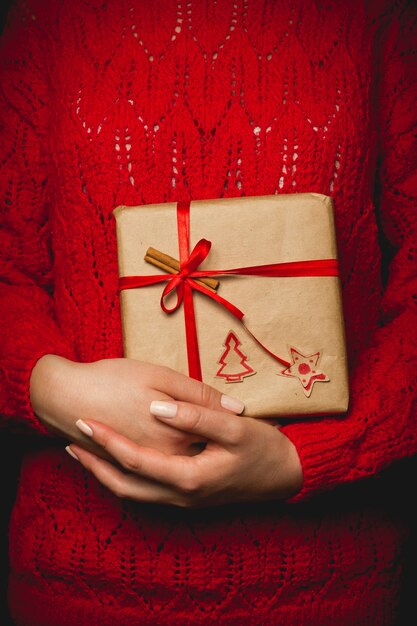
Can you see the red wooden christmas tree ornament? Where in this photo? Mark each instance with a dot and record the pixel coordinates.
(234, 367)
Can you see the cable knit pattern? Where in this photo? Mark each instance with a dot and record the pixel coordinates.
(134, 102)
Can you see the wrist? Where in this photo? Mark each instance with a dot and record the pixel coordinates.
(293, 471)
(44, 381)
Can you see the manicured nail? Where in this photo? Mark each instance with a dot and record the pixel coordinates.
(232, 404)
(84, 428)
(72, 453)
(163, 409)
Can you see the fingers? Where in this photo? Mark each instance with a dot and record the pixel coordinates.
(141, 460)
(187, 389)
(216, 426)
(119, 483)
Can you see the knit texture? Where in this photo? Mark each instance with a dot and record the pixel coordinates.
(109, 103)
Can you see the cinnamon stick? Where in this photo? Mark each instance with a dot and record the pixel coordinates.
(170, 265)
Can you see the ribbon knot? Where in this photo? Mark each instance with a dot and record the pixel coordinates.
(185, 275)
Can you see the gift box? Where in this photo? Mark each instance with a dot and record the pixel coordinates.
(242, 293)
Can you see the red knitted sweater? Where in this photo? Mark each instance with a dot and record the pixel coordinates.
(130, 102)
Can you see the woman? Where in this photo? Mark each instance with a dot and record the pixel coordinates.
(137, 103)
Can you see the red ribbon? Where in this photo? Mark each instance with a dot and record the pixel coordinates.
(184, 283)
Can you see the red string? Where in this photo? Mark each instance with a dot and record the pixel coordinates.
(184, 284)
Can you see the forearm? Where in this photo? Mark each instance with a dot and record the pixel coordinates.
(26, 335)
(381, 425)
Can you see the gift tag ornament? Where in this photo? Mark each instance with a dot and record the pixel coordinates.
(305, 369)
(234, 367)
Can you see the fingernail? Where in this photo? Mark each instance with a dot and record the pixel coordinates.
(163, 409)
(72, 453)
(85, 428)
(232, 404)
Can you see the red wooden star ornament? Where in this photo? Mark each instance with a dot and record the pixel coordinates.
(305, 369)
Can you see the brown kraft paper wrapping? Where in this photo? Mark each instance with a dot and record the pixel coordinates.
(285, 313)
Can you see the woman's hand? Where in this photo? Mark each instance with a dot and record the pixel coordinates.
(118, 392)
(245, 460)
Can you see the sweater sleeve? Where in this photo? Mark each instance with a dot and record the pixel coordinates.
(381, 425)
(28, 327)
